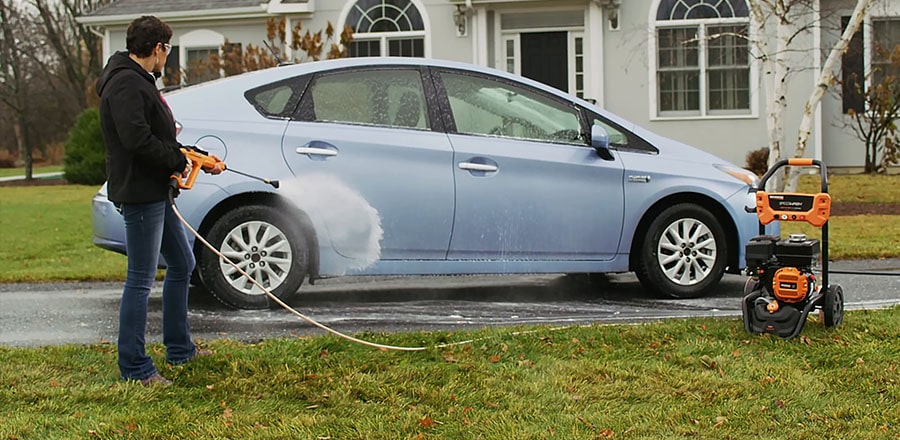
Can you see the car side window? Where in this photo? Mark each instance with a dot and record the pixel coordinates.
(622, 139)
(278, 99)
(484, 106)
(382, 97)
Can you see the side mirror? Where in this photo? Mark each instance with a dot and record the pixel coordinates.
(600, 142)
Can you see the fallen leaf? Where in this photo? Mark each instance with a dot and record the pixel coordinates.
(779, 404)
(323, 354)
(449, 359)
(766, 380)
(210, 387)
(736, 353)
(860, 361)
(605, 433)
(720, 421)
(490, 404)
(805, 339)
(504, 348)
(426, 422)
(494, 359)
(707, 362)
(228, 413)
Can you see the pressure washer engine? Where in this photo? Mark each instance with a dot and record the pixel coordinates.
(783, 287)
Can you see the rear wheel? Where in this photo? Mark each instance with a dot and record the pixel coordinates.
(266, 245)
(684, 252)
(833, 308)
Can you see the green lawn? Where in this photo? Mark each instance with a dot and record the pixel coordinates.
(699, 378)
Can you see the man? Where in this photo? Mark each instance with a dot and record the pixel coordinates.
(141, 155)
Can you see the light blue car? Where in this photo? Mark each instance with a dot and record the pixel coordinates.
(411, 166)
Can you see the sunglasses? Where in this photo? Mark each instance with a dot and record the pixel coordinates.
(166, 46)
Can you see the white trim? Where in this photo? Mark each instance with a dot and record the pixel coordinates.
(653, 108)
(594, 84)
(383, 36)
(276, 7)
(817, 71)
(479, 34)
(178, 16)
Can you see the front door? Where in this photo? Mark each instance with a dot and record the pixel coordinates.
(545, 58)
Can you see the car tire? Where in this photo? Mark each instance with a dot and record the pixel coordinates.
(263, 242)
(684, 253)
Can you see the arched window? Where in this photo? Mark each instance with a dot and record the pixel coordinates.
(702, 58)
(386, 28)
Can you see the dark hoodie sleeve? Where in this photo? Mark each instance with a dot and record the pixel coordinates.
(127, 104)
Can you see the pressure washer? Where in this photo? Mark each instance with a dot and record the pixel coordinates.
(783, 288)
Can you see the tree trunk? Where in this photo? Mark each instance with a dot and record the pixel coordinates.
(826, 79)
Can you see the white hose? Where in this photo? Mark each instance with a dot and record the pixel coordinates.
(291, 309)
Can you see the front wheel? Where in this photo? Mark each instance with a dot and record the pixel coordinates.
(684, 252)
(265, 244)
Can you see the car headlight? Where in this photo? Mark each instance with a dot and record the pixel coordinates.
(741, 174)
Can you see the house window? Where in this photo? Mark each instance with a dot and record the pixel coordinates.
(199, 66)
(702, 60)
(886, 43)
(386, 28)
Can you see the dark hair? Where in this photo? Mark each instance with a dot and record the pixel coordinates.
(145, 33)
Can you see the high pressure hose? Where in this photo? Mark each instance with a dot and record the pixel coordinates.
(282, 303)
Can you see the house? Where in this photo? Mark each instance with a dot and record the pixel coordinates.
(677, 67)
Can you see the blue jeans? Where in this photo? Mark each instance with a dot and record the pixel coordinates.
(152, 229)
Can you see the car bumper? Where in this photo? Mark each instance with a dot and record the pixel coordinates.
(108, 225)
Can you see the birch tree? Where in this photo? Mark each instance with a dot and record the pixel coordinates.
(790, 19)
(826, 79)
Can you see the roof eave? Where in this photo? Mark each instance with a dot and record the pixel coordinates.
(178, 16)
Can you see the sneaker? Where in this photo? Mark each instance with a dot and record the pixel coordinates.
(156, 380)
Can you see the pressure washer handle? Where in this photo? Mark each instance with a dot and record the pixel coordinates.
(199, 161)
(796, 162)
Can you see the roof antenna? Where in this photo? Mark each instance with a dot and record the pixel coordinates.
(275, 54)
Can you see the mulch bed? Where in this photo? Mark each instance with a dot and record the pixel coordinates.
(837, 208)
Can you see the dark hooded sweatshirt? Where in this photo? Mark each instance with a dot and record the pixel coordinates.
(139, 133)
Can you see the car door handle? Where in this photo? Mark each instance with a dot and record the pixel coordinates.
(316, 151)
(477, 166)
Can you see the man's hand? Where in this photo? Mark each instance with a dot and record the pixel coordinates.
(188, 166)
(217, 168)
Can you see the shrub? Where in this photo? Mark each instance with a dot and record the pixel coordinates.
(85, 161)
(758, 161)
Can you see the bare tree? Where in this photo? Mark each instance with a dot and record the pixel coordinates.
(876, 124)
(14, 72)
(790, 19)
(78, 51)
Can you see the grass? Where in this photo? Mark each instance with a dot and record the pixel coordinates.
(702, 378)
(47, 236)
(856, 188)
(52, 230)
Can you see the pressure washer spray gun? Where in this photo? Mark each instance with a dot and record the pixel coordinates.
(201, 160)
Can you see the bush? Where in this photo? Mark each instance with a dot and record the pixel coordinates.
(758, 161)
(85, 161)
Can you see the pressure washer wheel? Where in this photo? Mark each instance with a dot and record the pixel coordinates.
(833, 306)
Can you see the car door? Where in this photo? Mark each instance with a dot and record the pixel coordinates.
(528, 186)
(370, 130)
